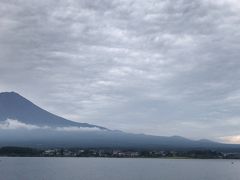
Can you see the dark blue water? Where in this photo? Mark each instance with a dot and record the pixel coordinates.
(117, 169)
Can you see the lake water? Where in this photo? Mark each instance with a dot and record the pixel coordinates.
(117, 169)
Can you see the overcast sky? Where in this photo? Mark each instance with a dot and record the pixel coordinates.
(162, 67)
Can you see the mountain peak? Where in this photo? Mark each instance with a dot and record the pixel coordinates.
(13, 100)
(8, 93)
(16, 107)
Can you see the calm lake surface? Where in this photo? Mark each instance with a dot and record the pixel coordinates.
(117, 169)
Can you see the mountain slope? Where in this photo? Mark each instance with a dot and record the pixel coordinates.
(61, 132)
(14, 106)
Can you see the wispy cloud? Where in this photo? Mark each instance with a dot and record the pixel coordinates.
(15, 124)
(75, 129)
(11, 124)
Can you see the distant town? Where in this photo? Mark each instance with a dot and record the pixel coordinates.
(115, 153)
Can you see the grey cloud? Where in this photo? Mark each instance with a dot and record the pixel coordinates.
(159, 67)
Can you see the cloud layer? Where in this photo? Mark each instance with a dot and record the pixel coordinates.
(11, 124)
(158, 67)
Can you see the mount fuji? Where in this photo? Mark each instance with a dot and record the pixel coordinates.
(23, 123)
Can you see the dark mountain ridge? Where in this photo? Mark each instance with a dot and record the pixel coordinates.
(13, 106)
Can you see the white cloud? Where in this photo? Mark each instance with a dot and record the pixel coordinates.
(11, 124)
(15, 124)
(73, 129)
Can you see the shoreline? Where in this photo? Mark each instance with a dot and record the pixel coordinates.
(86, 157)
